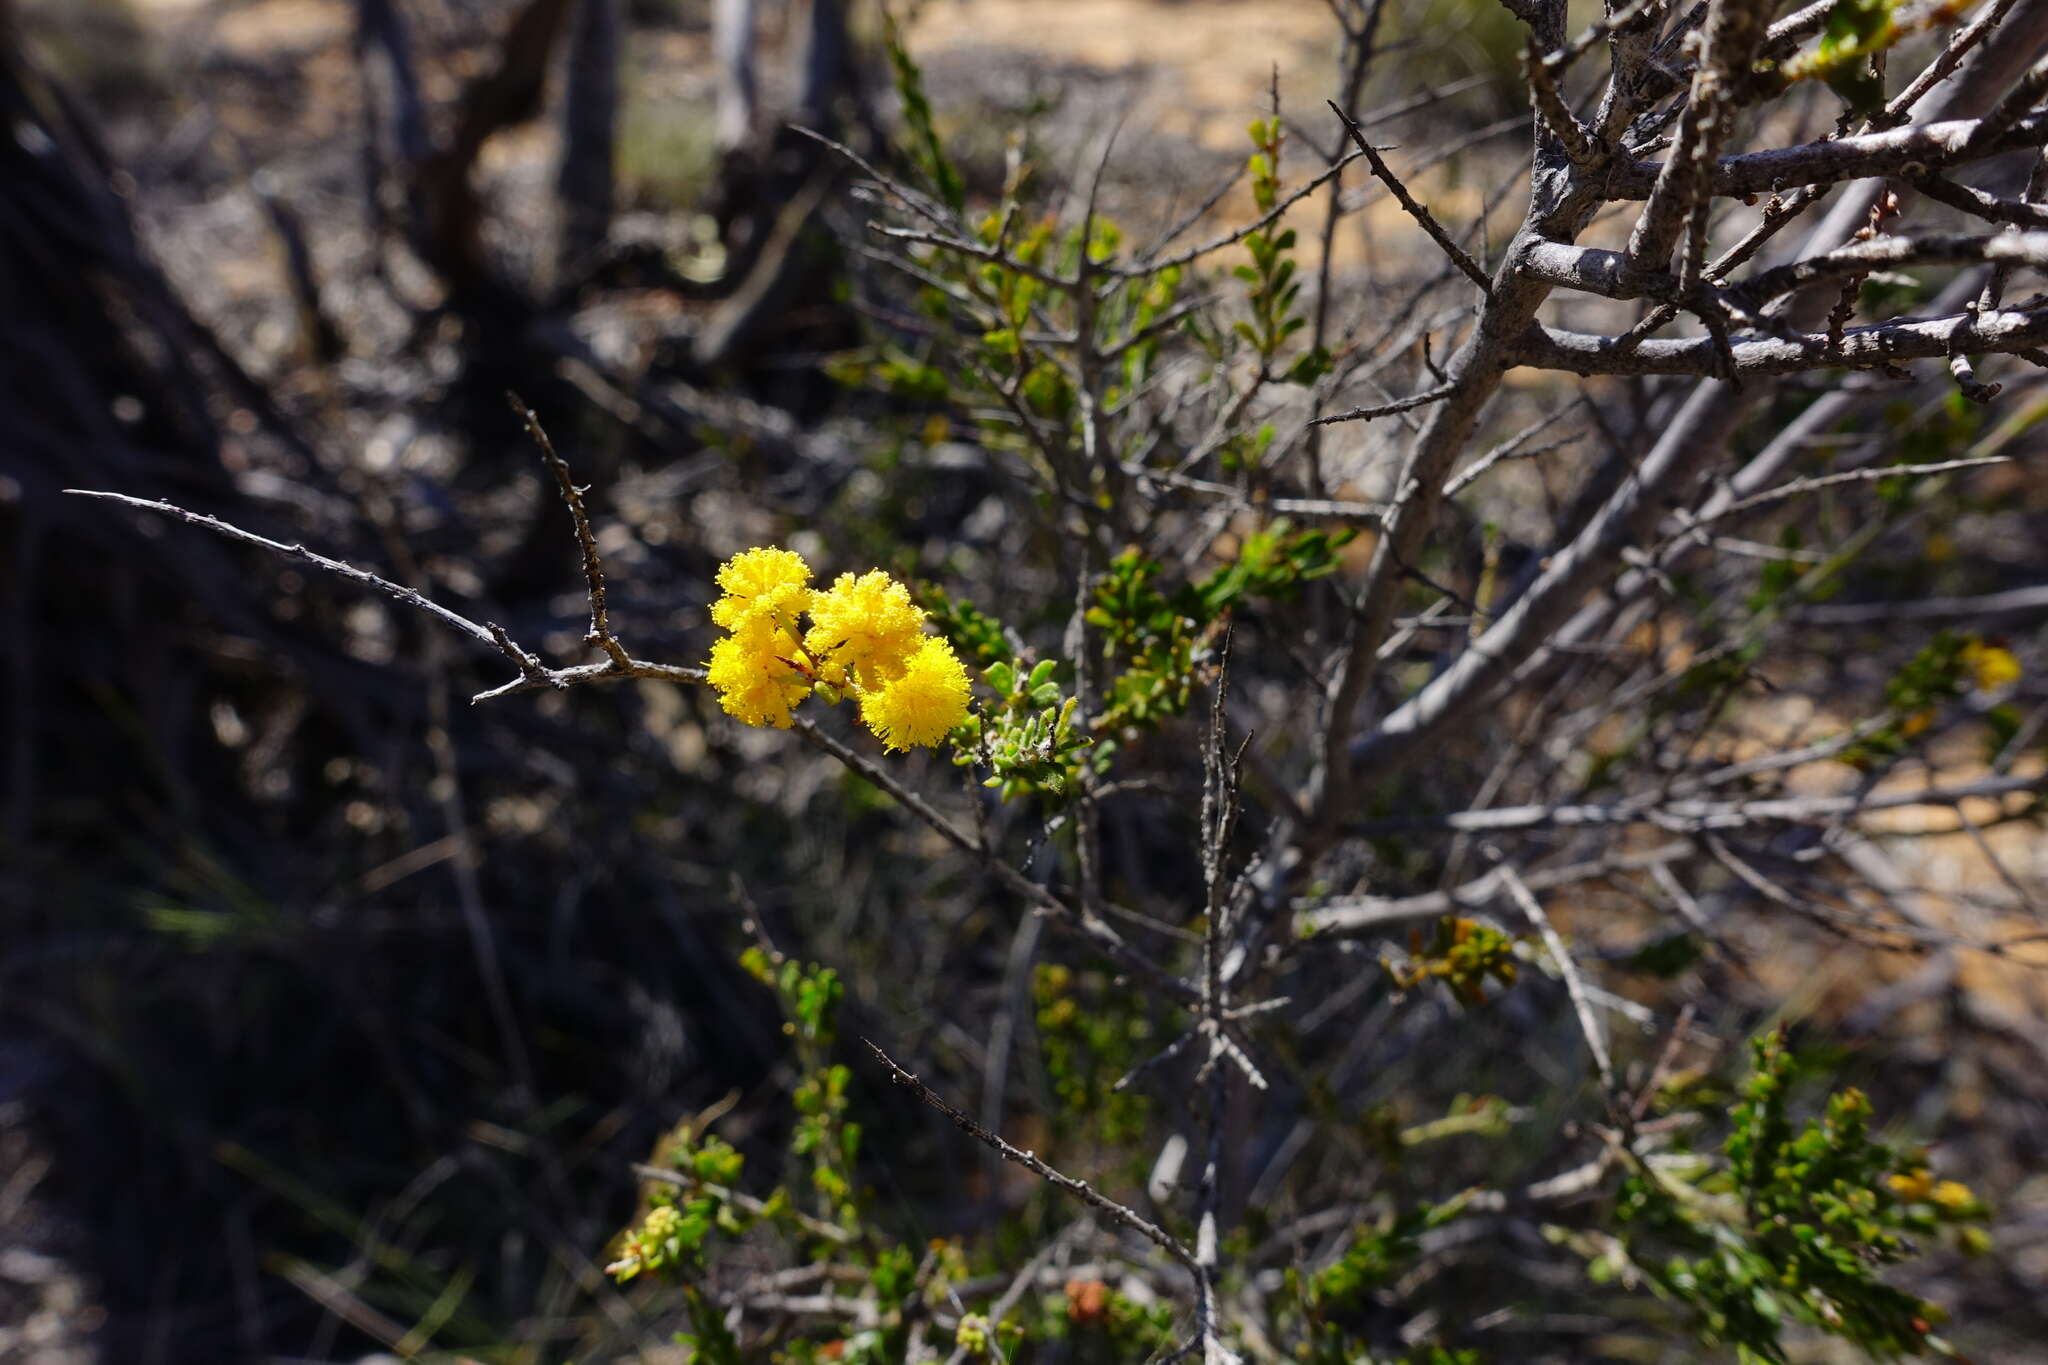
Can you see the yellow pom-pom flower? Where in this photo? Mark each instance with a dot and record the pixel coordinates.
(752, 671)
(762, 584)
(1991, 666)
(1953, 1195)
(866, 637)
(923, 703)
(863, 630)
(1914, 1186)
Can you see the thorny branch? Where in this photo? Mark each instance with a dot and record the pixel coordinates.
(1030, 1161)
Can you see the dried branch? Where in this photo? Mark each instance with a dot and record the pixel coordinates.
(1733, 31)
(1421, 215)
(532, 673)
(1897, 151)
(1532, 908)
(600, 633)
(1578, 141)
(2019, 603)
(1364, 915)
(1698, 816)
(2006, 332)
(1973, 201)
(1860, 258)
(1080, 1189)
(1408, 404)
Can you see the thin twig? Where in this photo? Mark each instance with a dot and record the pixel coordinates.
(1443, 240)
(1030, 1161)
(1590, 1027)
(1436, 395)
(600, 633)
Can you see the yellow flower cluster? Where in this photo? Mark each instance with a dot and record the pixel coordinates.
(1919, 1186)
(1991, 666)
(866, 637)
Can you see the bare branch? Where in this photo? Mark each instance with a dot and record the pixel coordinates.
(1860, 258)
(1698, 816)
(600, 633)
(1733, 31)
(1532, 908)
(1920, 147)
(2005, 331)
(1374, 914)
(2014, 602)
(2019, 212)
(1030, 1161)
(1421, 215)
(1413, 401)
(1576, 139)
(532, 673)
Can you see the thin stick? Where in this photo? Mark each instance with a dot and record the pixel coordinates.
(485, 634)
(533, 674)
(1031, 1162)
(1533, 909)
(1387, 409)
(1415, 210)
(593, 567)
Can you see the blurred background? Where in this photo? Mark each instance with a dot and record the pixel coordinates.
(333, 1010)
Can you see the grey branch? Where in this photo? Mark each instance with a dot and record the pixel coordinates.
(1876, 253)
(1526, 901)
(1375, 914)
(1436, 395)
(1699, 816)
(600, 633)
(1922, 147)
(2015, 602)
(2006, 332)
(533, 674)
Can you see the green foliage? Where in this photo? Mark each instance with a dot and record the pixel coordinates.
(1271, 289)
(1950, 666)
(1160, 641)
(823, 1135)
(1376, 1256)
(1462, 954)
(1857, 30)
(926, 148)
(973, 631)
(1793, 1226)
(809, 994)
(680, 1218)
(1027, 738)
(1090, 1036)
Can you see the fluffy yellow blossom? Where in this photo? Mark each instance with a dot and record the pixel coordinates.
(752, 671)
(863, 630)
(1953, 1195)
(928, 699)
(762, 584)
(1991, 666)
(1914, 1186)
(866, 637)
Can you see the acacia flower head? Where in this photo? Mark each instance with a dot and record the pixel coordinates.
(752, 670)
(923, 703)
(772, 584)
(866, 637)
(863, 629)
